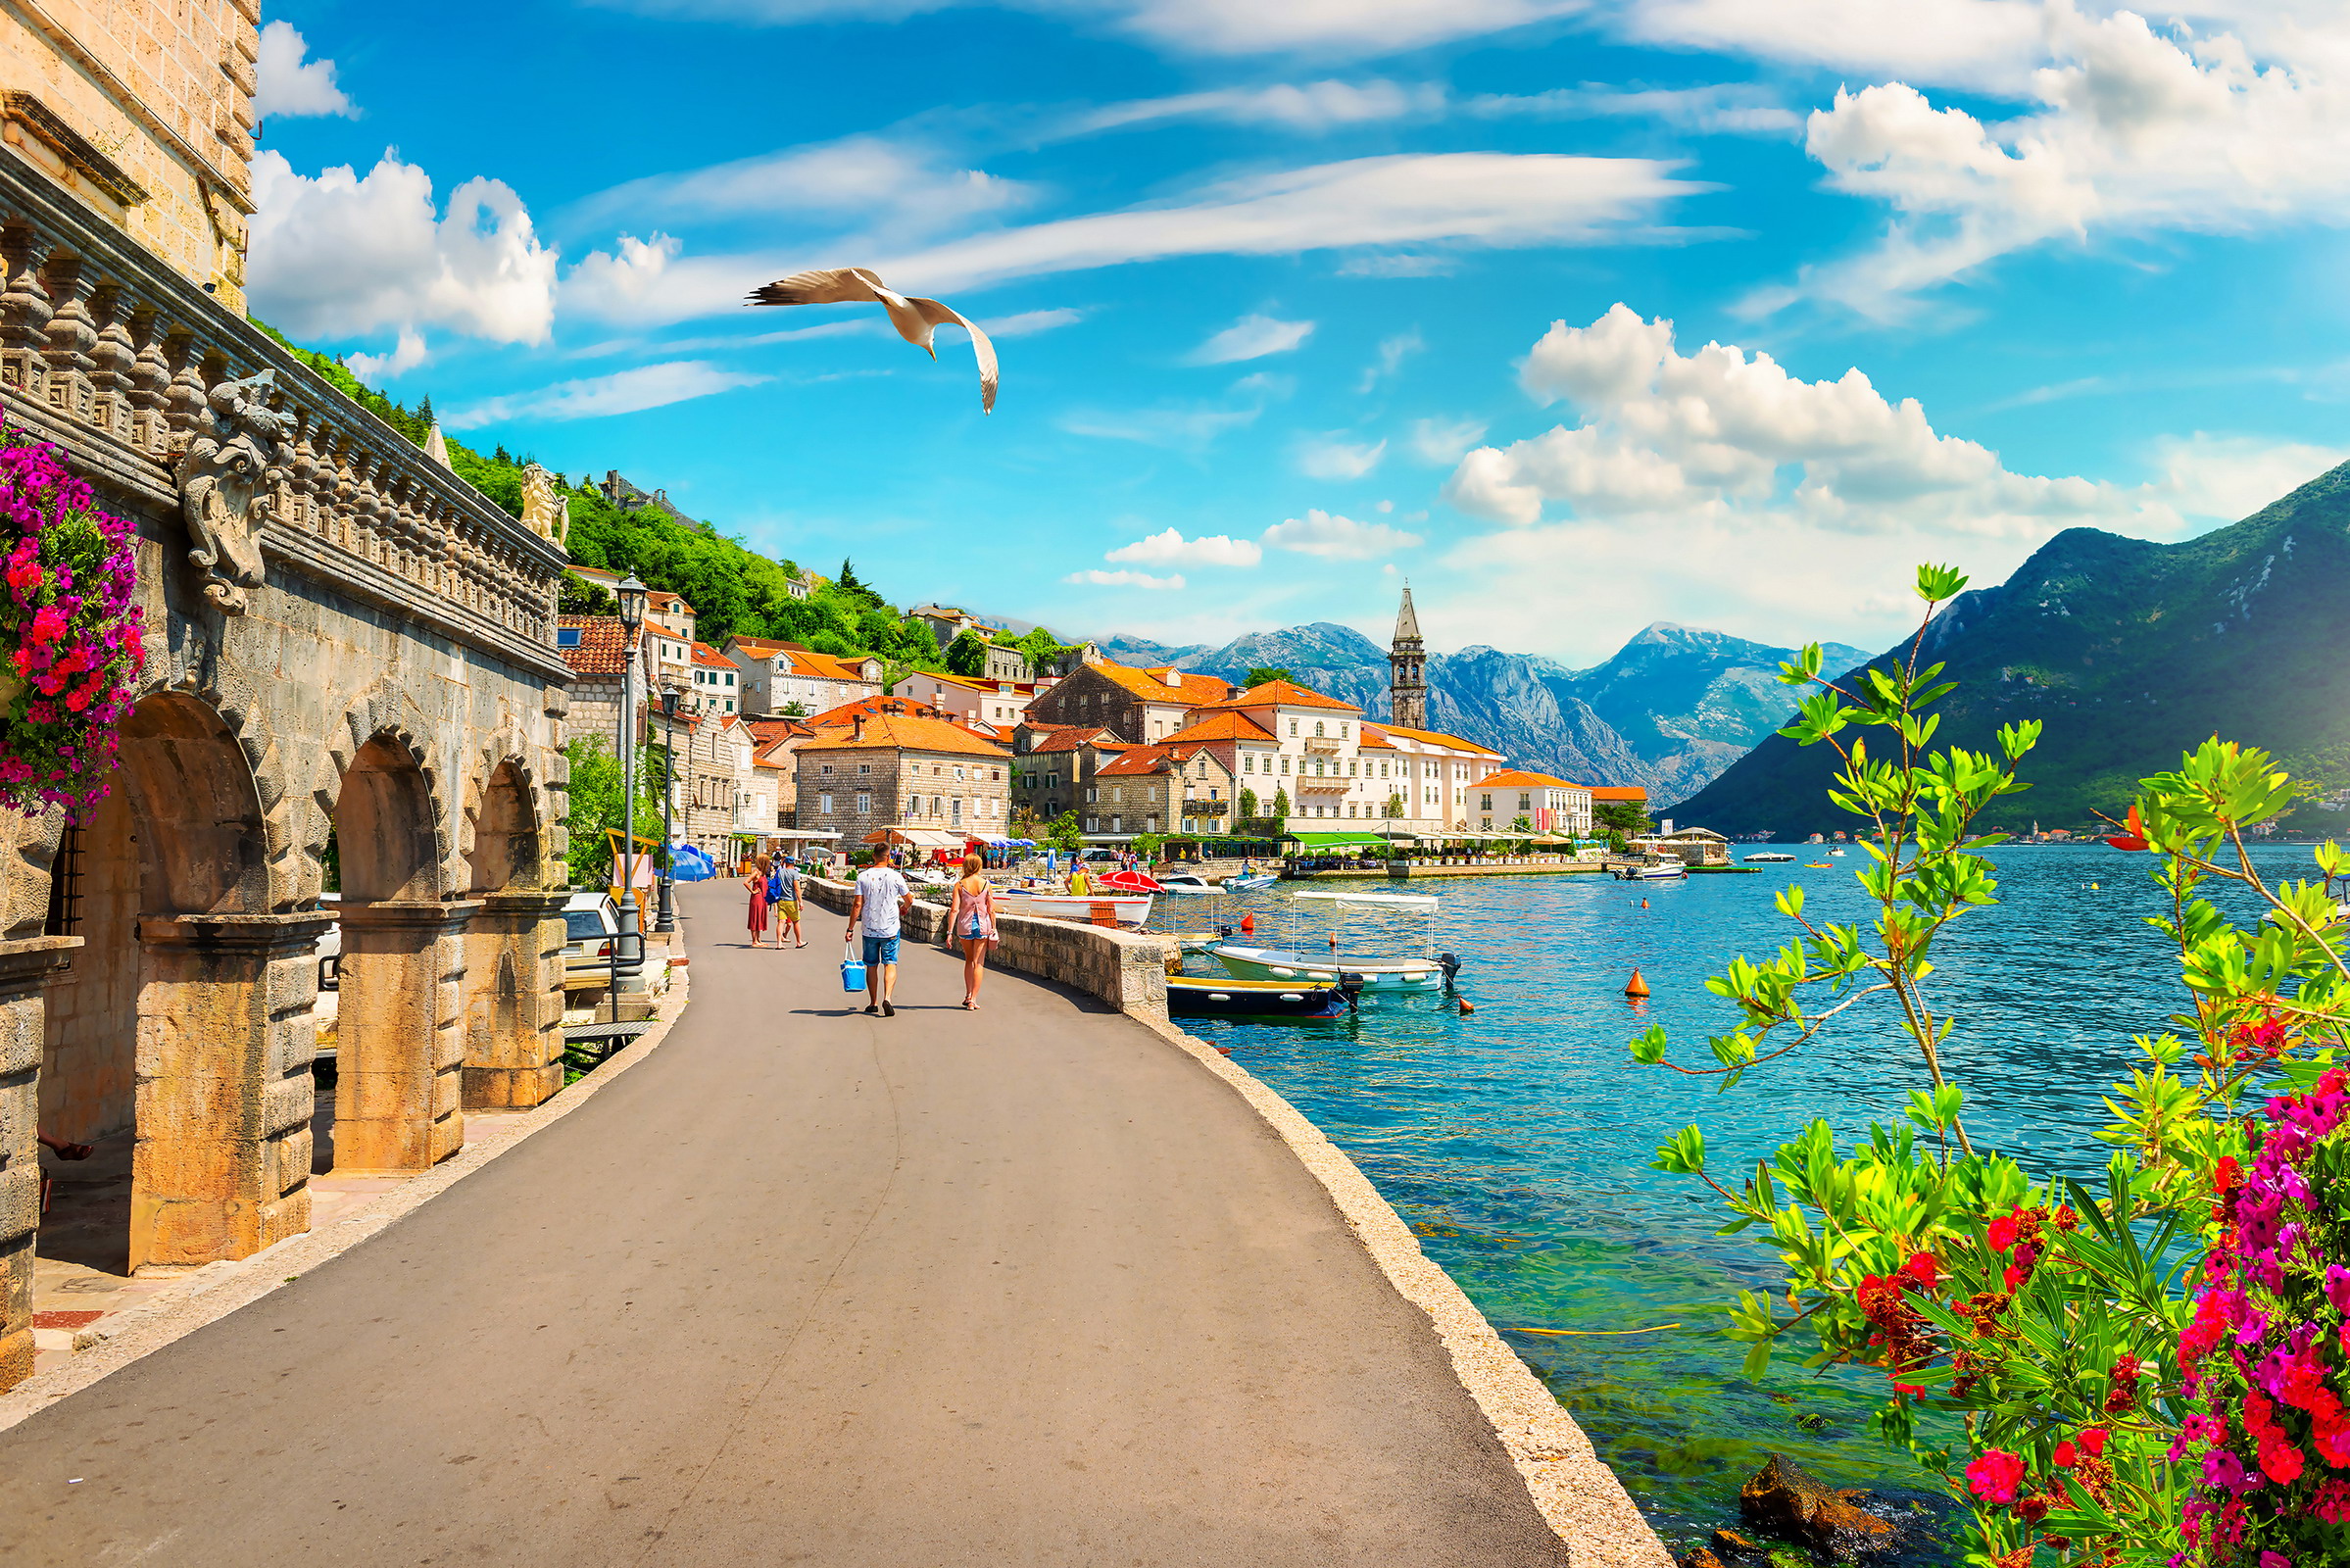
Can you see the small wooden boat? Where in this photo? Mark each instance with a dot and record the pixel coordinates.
(1126, 908)
(1219, 996)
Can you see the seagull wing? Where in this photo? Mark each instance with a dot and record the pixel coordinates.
(822, 285)
(936, 314)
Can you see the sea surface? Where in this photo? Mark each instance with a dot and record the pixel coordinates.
(1516, 1140)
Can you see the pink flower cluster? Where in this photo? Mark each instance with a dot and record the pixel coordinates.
(2263, 1358)
(71, 628)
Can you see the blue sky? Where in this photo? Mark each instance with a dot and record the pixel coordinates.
(1580, 314)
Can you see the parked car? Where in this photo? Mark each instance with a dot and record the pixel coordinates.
(591, 925)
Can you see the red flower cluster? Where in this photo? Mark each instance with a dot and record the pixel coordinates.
(1897, 1331)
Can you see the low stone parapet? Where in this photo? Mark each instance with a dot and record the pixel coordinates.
(1128, 969)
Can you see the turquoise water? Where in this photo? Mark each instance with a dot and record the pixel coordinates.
(1516, 1140)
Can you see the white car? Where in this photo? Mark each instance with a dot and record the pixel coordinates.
(591, 925)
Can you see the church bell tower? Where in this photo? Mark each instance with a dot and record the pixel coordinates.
(1407, 689)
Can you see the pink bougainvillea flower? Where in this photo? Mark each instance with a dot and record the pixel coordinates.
(1995, 1475)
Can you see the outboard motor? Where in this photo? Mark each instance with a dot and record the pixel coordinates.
(1351, 986)
(1451, 966)
(1224, 932)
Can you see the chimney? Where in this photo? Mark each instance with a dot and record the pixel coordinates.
(858, 734)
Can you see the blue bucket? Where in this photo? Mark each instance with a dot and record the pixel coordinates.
(853, 974)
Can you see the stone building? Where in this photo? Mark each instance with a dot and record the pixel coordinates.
(711, 686)
(598, 657)
(777, 676)
(1407, 661)
(351, 669)
(1161, 789)
(1054, 768)
(1139, 705)
(901, 769)
(717, 758)
(998, 703)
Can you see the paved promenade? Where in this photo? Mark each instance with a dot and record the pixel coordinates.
(1026, 1287)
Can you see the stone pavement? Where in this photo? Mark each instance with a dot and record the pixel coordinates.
(1027, 1286)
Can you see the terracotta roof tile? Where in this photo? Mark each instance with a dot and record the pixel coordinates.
(1518, 779)
(709, 658)
(1151, 685)
(1619, 792)
(907, 732)
(1285, 694)
(600, 651)
(1223, 726)
(1431, 737)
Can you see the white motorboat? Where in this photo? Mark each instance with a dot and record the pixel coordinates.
(1250, 883)
(1127, 908)
(1773, 855)
(1662, 871)
(1430, 972)
(1185, 882)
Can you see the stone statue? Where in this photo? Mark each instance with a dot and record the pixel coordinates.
(547, 513)
(220, 479)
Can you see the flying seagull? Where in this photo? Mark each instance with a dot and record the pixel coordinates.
(914, 319)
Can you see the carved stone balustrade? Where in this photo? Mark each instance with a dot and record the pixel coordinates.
(158, 392)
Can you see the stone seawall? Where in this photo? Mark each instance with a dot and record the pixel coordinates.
(1124, 968)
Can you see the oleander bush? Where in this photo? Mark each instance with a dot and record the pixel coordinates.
(2143, 1370)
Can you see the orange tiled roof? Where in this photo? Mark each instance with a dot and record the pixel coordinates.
(1151, 685)
(759, 647)
(709, 658)
(827, 666)
(1285, 694)
(1069, 737)
(602, 651)
(1619, 792)
(1223, 726)
(1375, 739)
(1518, 779)
(1431, 737)
(908, 733)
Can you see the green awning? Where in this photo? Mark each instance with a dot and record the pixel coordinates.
(1336, 840)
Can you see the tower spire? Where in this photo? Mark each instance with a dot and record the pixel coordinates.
(1407, 688)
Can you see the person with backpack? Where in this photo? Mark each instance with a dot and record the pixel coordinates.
(783, 901)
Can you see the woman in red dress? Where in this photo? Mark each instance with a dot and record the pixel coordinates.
(757, 882)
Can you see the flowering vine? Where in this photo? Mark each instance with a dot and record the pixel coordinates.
(71, 630)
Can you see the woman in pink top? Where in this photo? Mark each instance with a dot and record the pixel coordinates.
(973, 925)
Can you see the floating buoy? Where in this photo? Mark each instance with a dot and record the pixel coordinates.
(1249, 924)
(1334, 942)
(2092, 887)
(1465, 1008)
(1643, 904)
(1636, 986)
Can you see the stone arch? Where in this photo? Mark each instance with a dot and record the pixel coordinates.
(512, 984)
(502, 832)
(385, 718)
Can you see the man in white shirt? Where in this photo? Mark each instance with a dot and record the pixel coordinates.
(883, 900)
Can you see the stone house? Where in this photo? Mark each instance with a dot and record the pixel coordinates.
(1551, 805)
(903, 769)
(1635, 796)
(775, 745)
(669, 627)
(1245, 750)
(1140, 707)
(774, 676)
(1053, 767)
(998, 703)
(947, 622)
(1161, 789)
(592, 647)
(345, 645)
(712, 689)
(716, 763)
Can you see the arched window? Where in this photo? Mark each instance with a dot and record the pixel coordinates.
(1317, 727)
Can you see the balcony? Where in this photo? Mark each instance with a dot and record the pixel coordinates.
(1310, 785)
(1325, 746)
(161, 394)
(1197, 808)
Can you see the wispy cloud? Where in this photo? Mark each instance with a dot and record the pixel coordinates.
(1252, 337)
(1311, 107)
(648, 386)
(1392, 352)
(1332, 457)
(1124, 579)
(1338, 538)
(1444, 440)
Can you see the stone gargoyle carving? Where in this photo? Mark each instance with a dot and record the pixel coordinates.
(545, 512)
(220, 488)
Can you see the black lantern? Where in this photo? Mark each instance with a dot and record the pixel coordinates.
(632, 595)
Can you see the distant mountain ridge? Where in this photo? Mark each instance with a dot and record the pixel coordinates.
(2130, 653)
(1669, 710)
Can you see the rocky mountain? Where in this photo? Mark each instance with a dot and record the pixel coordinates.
(1671, 709)
(2130, 653)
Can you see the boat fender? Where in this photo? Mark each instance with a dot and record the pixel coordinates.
(1636, 986)
(1465, 1008)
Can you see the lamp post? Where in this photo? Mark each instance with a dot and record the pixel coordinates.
(667, 920)
(632, 595)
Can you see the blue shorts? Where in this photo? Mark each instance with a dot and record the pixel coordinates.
(880, 950)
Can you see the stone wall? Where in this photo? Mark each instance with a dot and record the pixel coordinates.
(1124, 968)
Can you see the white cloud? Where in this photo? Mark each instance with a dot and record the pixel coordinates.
(1736, 109)
(1183, 426)
(1976, 43)
(337, 255)
(2137, 131)
(407, 354)
(648, 386)
(1311, 107)
(286, 85)
(1028, 323)
(1252, 337)
(1337, 27)
(1169, 548)
(1123, 579)
(1330, 457)
(1392, 352)
(1323, 533)
(1497, 200)
(1714, 485)
(895, 191)
(1444, 440)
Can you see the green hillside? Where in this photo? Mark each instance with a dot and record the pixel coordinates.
(2130, 653)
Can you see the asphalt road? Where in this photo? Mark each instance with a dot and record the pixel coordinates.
(1021, 1287)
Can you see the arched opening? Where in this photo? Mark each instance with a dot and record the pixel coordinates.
(514, 947)
(398, 1047)
(159, 1050)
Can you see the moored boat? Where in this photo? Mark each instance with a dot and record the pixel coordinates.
(1768, 856)
(1379, 975)
(1185, 882)
(1214, 996)
(1250, 883)
(1127, 908)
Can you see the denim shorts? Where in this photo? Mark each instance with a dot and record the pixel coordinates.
(880, 950)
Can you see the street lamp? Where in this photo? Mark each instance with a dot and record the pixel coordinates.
(668, 921)
(632, 595)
